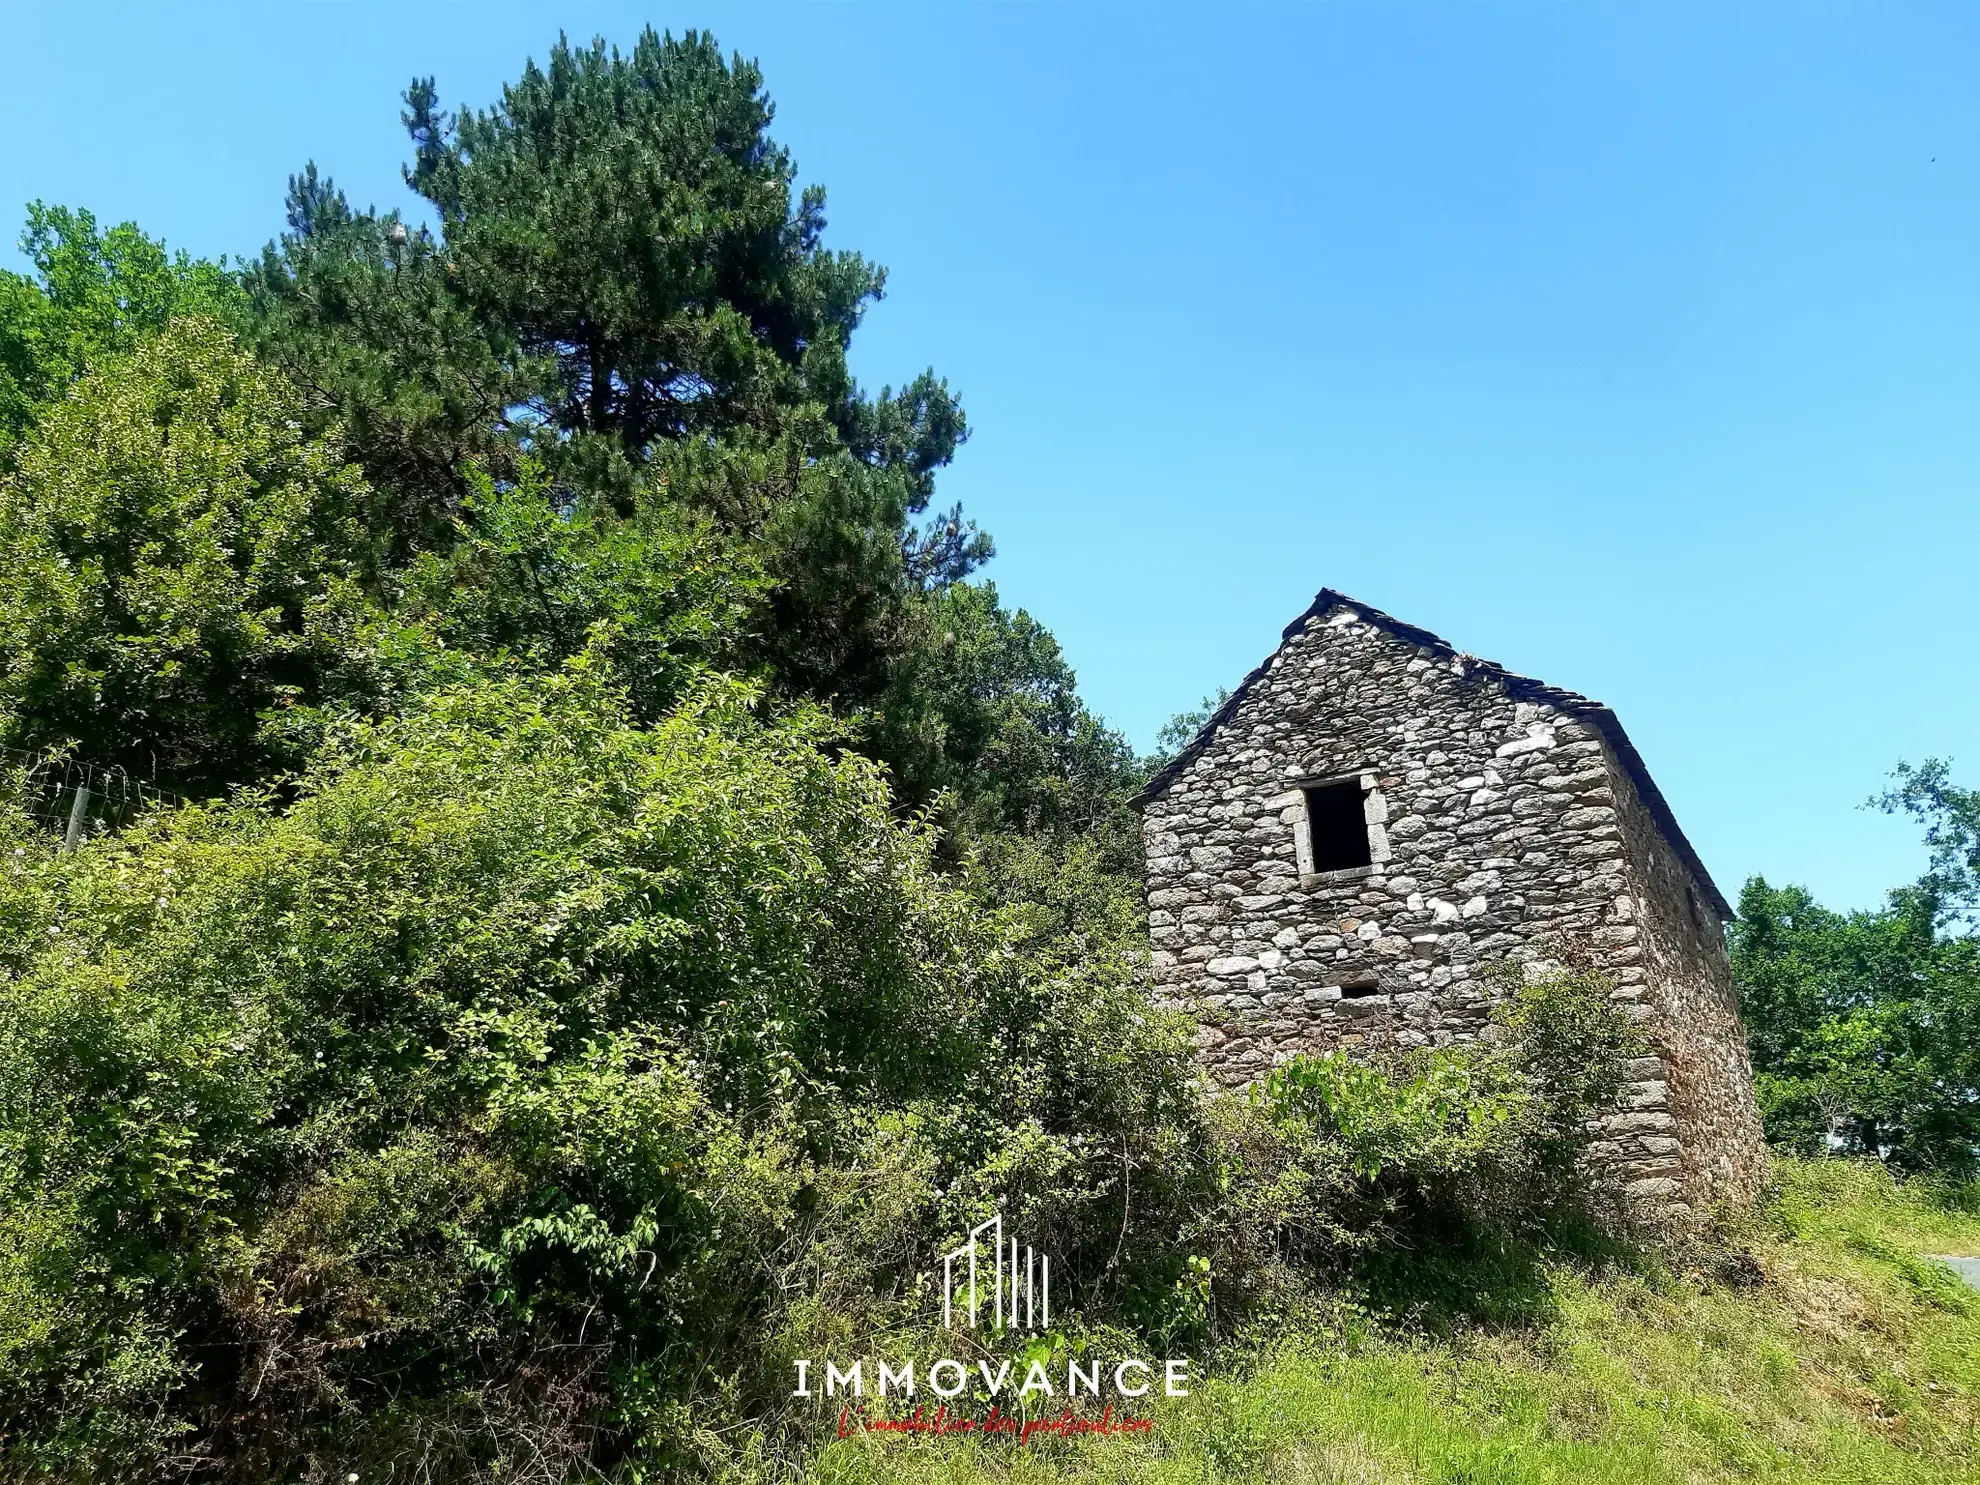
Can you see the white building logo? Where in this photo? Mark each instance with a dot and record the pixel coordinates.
(1016, 1281)
(990, 1283)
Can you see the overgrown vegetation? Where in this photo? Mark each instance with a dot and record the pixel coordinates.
(1835, 1354)
(528, 1089)
(648, 901)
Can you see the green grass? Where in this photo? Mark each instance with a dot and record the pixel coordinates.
(1853, 1362)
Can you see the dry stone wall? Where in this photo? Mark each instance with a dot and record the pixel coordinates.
(1500, 825)
(1713, 1149)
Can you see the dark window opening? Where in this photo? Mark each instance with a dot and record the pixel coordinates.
(1358, 986)
(1691, 902)
(1337, 826)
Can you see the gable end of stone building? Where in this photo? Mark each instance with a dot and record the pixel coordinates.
(1374, 819)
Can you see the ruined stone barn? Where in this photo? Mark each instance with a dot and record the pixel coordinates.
(1373, 818)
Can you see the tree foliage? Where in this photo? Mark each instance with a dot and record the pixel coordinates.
(94, 295)
(177, 557)
(364, 317)
(1180, 730)
(1950, 889)
(625, 347)
(632, 219)
(1865, 1026)
(626, 278)
(537, 575)
(648, 901)
(988, 715)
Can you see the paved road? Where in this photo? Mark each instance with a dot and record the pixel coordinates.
(1967, 1268)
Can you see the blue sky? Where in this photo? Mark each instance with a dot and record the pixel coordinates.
(1636, 348)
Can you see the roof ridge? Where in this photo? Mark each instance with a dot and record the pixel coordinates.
(1520, 687)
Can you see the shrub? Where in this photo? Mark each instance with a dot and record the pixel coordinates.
(536, 1085)
(491, 1103)
(1488, 1136)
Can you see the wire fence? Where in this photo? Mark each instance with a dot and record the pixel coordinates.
(76, 799)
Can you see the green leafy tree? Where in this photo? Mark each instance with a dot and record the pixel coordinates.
(987, 713)
(177, 557)
(539, 575)
(1865, 1026)
(92, 295)
(1180, 730)
(1951, 817)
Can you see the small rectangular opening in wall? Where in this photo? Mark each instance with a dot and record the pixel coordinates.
(1337, 825)
(1359, 985)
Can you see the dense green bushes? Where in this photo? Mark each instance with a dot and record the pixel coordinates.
(539, 1081)
(1481, 1138)
(175, 556)
(650, 904)
(518, 1002)
(510, 1057)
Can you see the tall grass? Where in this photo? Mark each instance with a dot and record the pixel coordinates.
(1832, 1352)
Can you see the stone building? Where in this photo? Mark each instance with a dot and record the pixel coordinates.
(1374, 817)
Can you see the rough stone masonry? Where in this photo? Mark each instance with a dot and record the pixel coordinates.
(1374, 817)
